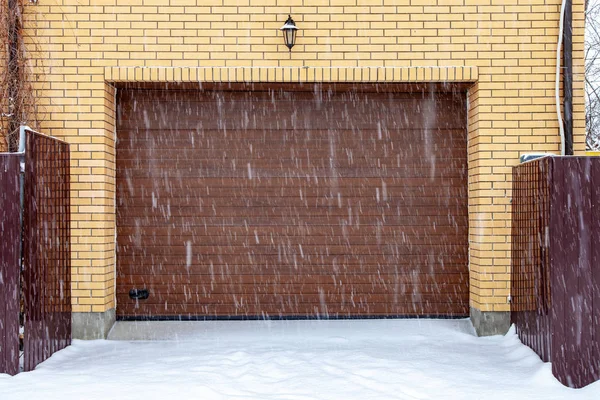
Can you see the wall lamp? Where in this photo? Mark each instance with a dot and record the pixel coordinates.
(289, 30)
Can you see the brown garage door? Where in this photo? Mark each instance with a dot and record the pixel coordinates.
(291, 203)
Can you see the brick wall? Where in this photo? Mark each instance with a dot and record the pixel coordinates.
(509, 43)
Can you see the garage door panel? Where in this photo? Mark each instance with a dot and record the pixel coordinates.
(305, 182)
(292, 289)
(287, 266)
(258, 221)
(386, 166)
(293, 265)
(251, 203)
(164, 211)
(304, 159)
(293, 172)
(250, 240)
(283, 96)
(305, 111)
(309, 192)
(127, 232)
(341, 154)
(320, 273)
(147, 262)
(252, 280)
(329, 310)
(248, 283)
(313, 119)
(141, 135)
(294, 139)
(345, 215)
(400, 249)
(296, 201)
(289, 301)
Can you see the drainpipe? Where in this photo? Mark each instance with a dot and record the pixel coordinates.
(568, 76)
(565, 35)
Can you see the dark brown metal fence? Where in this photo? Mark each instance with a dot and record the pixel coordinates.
(530, 279)
(556, 264)
(10, 238)
(46, 249)
(43, 284)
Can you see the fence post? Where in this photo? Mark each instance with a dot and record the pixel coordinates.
(10, 242)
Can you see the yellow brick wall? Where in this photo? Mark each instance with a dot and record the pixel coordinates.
(510, 42)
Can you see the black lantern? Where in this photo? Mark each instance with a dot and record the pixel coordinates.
(289, 32)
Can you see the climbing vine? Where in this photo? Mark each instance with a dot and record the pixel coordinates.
(17, 99)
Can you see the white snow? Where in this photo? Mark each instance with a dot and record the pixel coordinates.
(357, 359)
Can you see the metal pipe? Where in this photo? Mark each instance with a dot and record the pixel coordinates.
(21, 149)
(561, 123)
(568, 76)
(22, 130)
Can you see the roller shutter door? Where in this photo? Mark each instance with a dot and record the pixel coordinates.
(291, 202)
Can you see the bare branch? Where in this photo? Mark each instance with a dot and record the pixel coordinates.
(17, 101)
(592, 73)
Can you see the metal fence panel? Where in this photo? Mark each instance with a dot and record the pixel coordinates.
(556, 264)
(530, 282)
(575, 362)
(10, 238)
(47, 258)
(595, 263)
(559, 290)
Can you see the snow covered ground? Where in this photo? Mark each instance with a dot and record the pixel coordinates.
(359, 359)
